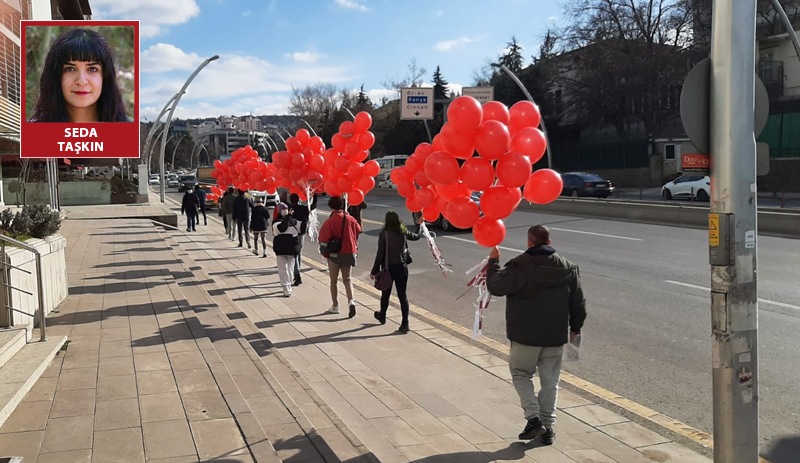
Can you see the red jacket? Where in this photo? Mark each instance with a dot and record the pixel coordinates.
(332, 228)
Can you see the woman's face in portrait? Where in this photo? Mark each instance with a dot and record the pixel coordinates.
(81, 83)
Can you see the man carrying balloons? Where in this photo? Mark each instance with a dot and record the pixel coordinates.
(544, 301)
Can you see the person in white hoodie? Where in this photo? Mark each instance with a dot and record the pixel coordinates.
(285, 231)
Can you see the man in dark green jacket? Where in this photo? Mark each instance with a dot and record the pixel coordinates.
(544, 301)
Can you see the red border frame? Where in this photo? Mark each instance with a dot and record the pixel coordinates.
(39, 139)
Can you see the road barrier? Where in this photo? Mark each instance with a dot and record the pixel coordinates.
(771, 221)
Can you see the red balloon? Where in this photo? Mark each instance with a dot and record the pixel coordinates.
(316, 144)
(217, 163)
(338, 142)
(421, 179)
(400, 175)
(342, 164)
(425, 197)
(293, 144)
(362, 122)
(460, 144)
(543, 186)
(366, 140)
(355, 197)
(413, 164)
(451, 192)
(412, 205)
(523, 114)
(438, 143)
(492, 139)
(495, 111)
(489, 232)
(529, 141)
(441, 168)
(298, 159)
(371, 168)
(351, 150)
(477, 174)
(346, 129)
(498, 202)
(513, 169)
(355, 169)
(302, 136)
(423, 149)
(344, 184)
(430, 213)
(406, 190)
(465, 113)
(462, 212)
(317, 162)
(332, 188)
(365, 183)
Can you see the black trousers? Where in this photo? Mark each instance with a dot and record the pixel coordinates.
(399, 273)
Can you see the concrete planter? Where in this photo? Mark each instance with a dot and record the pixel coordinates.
(54, 279)
(128, 198)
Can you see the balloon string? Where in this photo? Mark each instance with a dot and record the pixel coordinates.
(438, 259)
(478, 280)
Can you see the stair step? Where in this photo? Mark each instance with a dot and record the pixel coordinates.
(11, 341)
(21, 372)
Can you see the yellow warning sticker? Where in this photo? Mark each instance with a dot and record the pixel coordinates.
(713, 229)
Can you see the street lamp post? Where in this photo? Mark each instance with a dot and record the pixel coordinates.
(177, 99)
(175, 150)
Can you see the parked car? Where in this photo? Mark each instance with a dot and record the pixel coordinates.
(387, 163)
(441, 221)
(186, 182)
(688, 187)
(385, 181)
(580, 184)
(154, 179)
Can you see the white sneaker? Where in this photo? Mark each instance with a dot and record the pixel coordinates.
(333, 309)
(287, 293)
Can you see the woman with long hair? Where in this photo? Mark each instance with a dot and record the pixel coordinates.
(79, 81)
(393, 247)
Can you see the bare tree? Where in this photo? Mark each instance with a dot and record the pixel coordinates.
(413, 78)
(483, 75)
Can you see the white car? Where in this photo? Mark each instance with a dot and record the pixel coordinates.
(172, 181)
(688, 187)
(154, 179)
(384, 181)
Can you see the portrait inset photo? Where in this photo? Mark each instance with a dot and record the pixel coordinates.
(78, 76)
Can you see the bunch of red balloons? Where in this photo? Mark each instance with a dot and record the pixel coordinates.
(344, 170)
(300, 167)
(439, 178)
(244, 170)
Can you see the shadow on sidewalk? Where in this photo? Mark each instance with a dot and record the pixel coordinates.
(133, 275)
(109, 288)
(784, 449)
(515, 451)
(140, 263)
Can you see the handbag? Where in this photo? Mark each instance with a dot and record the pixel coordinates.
(383, 280)
(335, 244)
(406, 253)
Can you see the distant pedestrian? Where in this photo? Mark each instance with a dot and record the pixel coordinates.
(393, 248)
(241, 213)
(343, 228)
(221, 211)
(355, 211)
(544, 301)
(259, 221)
(201, 197)
(284, 243)
(189, 206)
(301, 213)
(227, 204)
(271, 202)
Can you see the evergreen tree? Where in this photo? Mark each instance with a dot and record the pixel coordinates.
(363, 102)
(439, 84)
(512, 58)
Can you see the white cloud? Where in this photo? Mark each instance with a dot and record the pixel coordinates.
(455, 88)
(163, 57)
(305, 56)
(351, 4)
(449, 45)
(552, 18)
(154, 13)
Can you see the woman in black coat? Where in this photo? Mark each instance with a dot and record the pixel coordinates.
(258, 225)
(393, 240)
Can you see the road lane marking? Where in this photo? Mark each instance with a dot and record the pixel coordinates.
(473, 242)
(597, 234)
(765, 301)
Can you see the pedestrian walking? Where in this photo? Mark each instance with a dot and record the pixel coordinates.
(393, 256)
(227, 205)
(284, 243)
(544, 302)
(189, 206)
(271, 202)
(241, 214)
(201, 197)
(301, 213)
(338, 243)
(259, 221)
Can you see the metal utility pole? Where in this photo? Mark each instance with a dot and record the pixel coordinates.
(732, 233)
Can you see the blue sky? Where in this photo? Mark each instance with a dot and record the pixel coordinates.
(268, 46)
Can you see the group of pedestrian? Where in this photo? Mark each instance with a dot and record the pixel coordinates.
(545, 306)
(192, 205)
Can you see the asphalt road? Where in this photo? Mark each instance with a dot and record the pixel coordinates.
(647, 336)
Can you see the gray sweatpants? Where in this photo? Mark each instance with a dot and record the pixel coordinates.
(523, 363)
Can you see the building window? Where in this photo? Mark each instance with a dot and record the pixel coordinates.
(670, 152)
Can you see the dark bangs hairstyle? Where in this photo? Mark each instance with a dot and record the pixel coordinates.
(78, 45)
(392, 223)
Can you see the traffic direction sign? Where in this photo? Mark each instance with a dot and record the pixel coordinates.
(482, 94)
(416, 103)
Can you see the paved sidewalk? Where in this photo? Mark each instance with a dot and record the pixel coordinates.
(182, 349)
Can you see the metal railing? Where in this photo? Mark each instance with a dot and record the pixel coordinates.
(39, 285)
